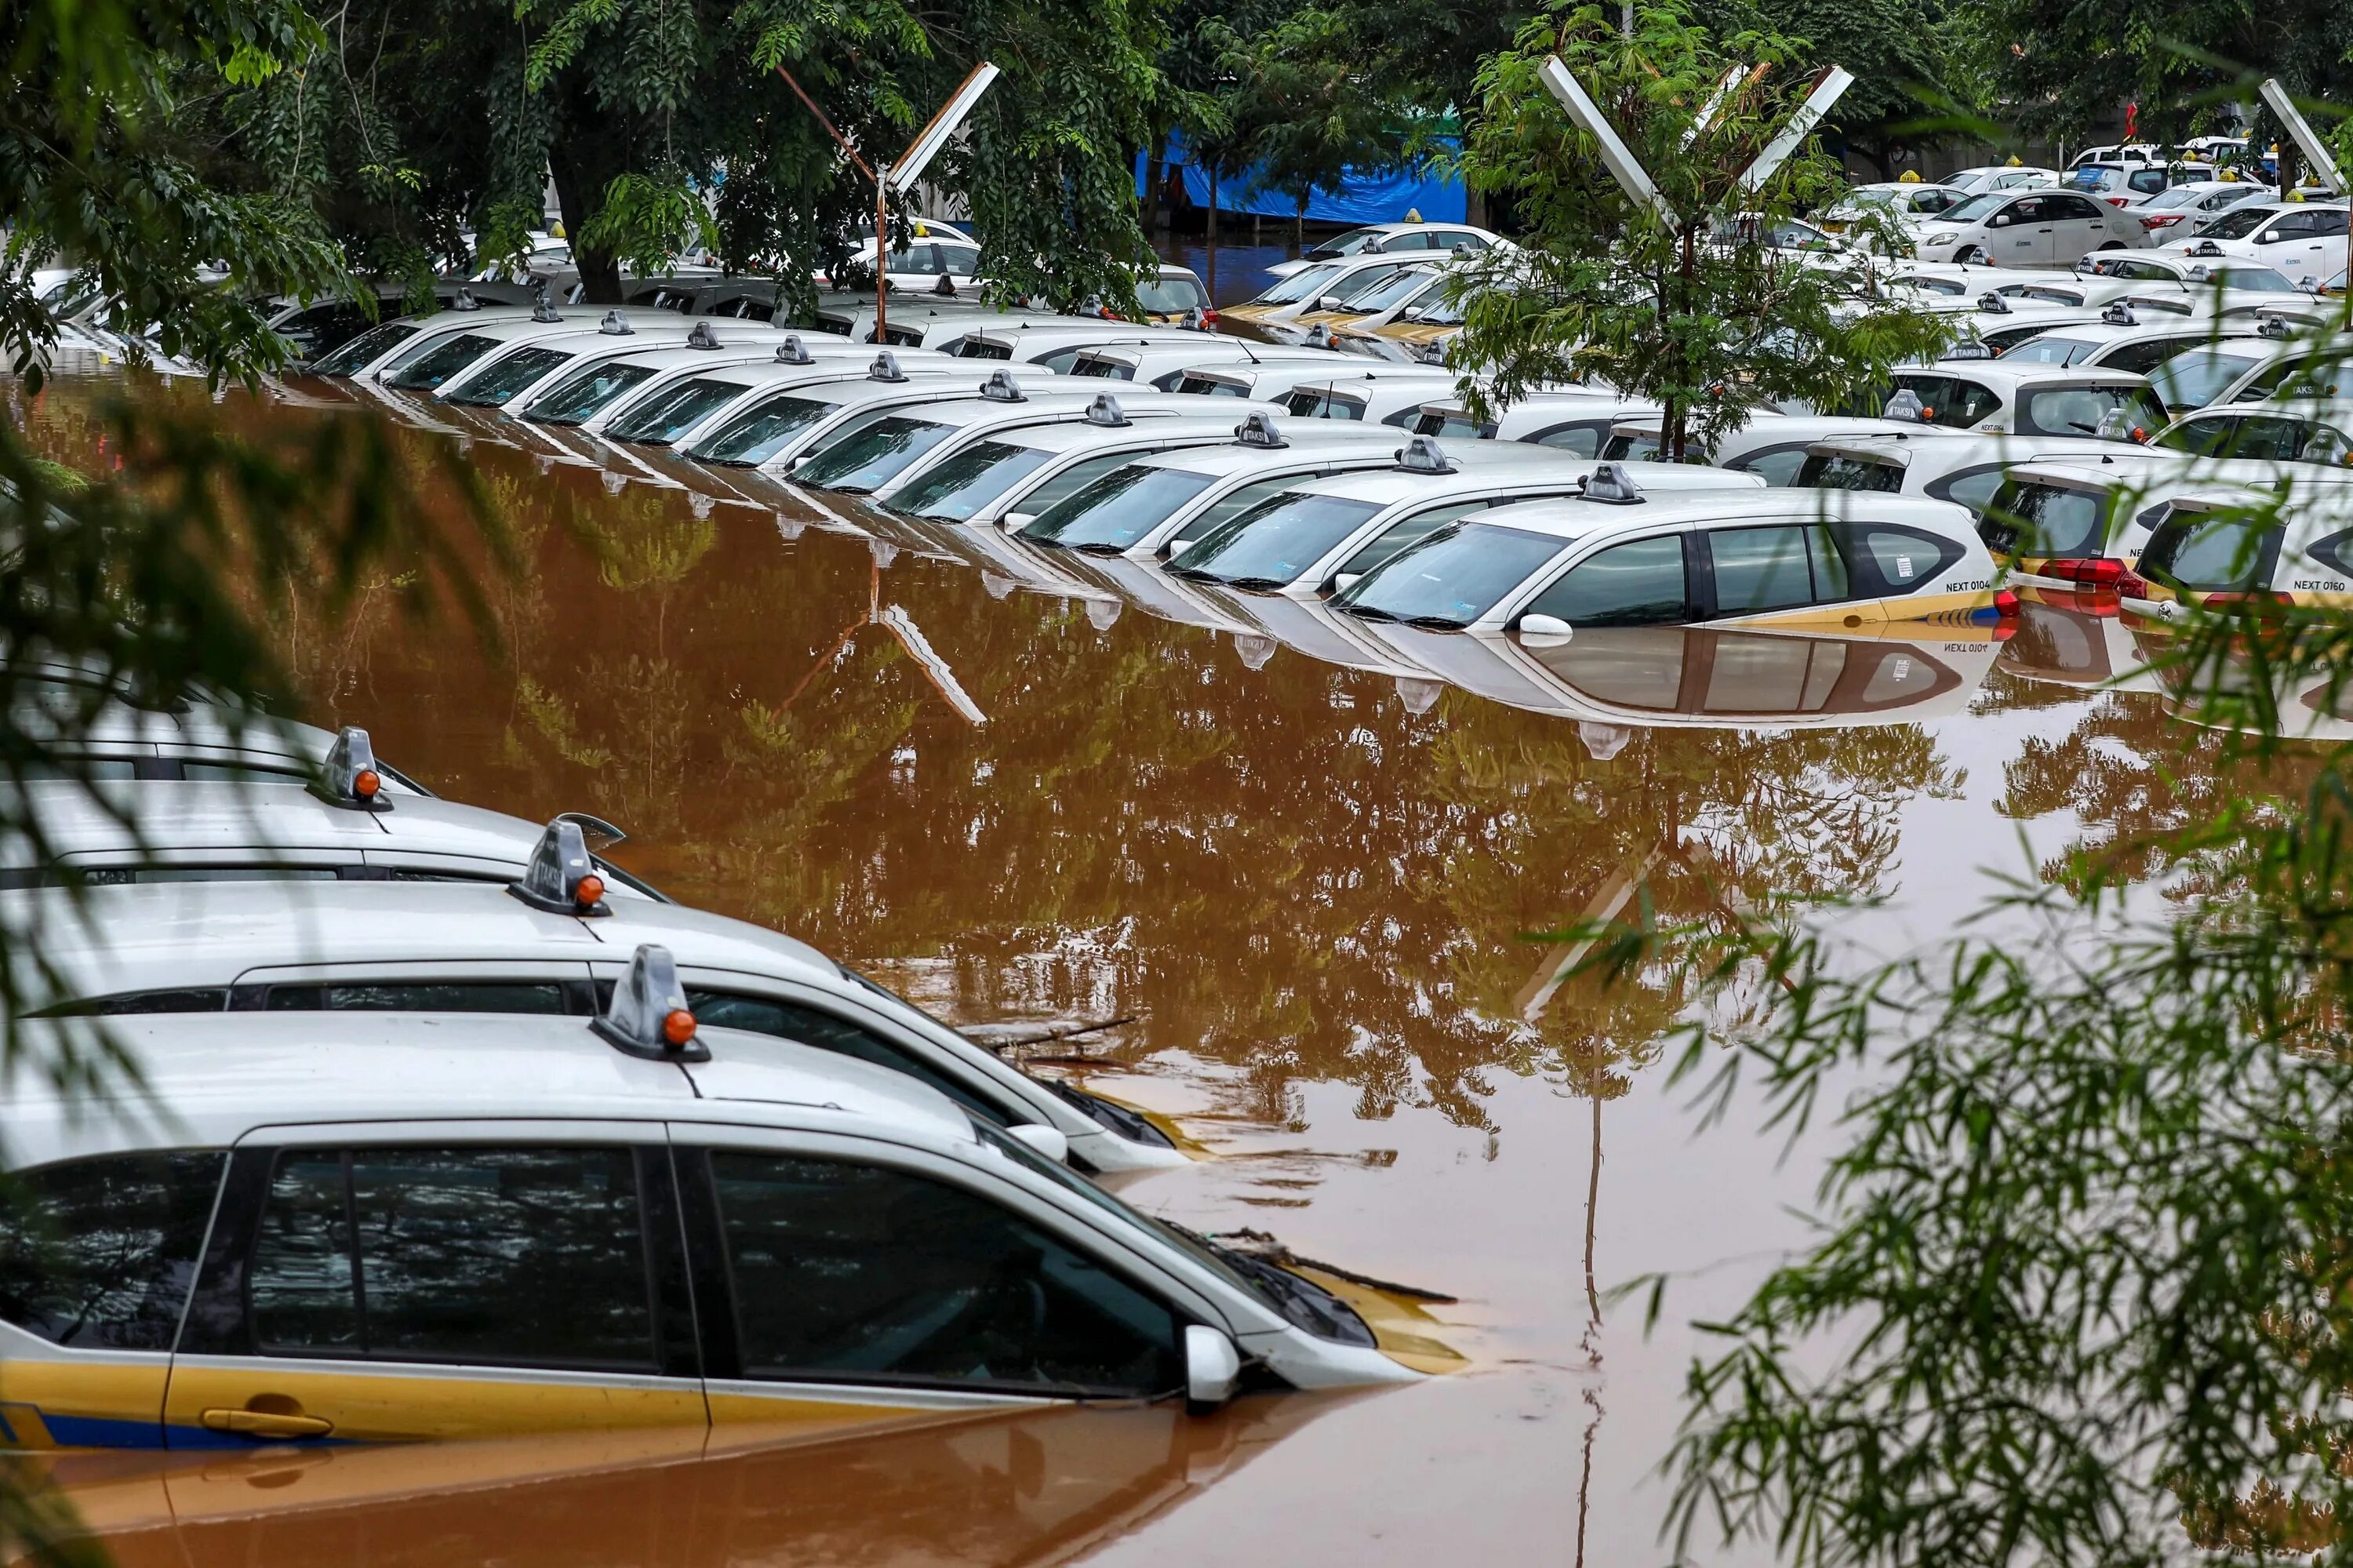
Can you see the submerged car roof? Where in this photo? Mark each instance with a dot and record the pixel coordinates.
(164, 936)
(1570, 520)
(173, 821)
(224, 1075)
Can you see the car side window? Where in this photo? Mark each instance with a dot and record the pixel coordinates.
(99, 1253)
(962, 260)
(1973, 487)
(1901, 558)
(1583, 438)
(499, 1256)
(2030, 209)
(1640, 583)
(2148, 180)
(2140, 358)
(1967, 404)
(863, 1273)
(1776, 466)
(1760, 569)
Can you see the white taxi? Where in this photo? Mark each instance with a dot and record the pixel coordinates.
(552, 939)
(1319, 535)
(1617, 557)
(387, 1227)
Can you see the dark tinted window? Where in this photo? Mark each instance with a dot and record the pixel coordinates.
(1583, 440)
(99, 1254)
(439, 362)
(2207, 552)
(2049, 521)
(1839, 470)
(510, 376)
(421, 996)
(1901, 558)
(525, 1256)
(1640, 583)
(868, 1273)
(1776, 466)
(2240, 436)
(1972, 488)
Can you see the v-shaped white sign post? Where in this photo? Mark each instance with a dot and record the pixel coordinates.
(1829, 85)
(2315, 151)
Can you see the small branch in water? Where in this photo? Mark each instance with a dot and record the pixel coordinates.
(1004, 1037)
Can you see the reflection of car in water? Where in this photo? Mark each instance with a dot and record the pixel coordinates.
(1037, 1487)
(1688, 676)
(2074, 638)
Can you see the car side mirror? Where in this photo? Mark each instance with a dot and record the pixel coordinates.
(1017, 520)
(1212, 1366)
(1045, 1142)
(1549, 629)
(1411, 313)
(1347, 580)
(1329, 303)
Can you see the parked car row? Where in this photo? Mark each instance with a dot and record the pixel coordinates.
(444, 1126)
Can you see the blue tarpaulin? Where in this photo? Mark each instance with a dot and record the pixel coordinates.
(1361, 198)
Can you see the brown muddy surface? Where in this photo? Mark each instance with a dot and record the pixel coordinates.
(1314, 898)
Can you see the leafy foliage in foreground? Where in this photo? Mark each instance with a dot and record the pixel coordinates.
(2083, 1286)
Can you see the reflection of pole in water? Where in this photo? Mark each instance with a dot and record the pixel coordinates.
(895, 620)
(1592, 1340)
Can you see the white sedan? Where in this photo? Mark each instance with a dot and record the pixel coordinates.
(2306, 240)
(2028, 228)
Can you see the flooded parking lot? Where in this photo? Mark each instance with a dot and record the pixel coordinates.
(1308, 891)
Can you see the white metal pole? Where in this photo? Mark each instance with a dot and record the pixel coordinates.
(1615, 156)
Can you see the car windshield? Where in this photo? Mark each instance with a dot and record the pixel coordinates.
(369, 346)
(1299, 285)
(583, 395)
(1977, 207)
(2196, 377)
(2086, 411)
(2050, 349)
(2239, 223)
(969, 480)
(1346, 244)
(664, 415)
(1275, 541)
(1395, 289)
(1452, 578)
(1171, 296)
(2256, 280)
(505, 378)
(1116, 510)
(872, 451)
(440, 361)
(760, 433)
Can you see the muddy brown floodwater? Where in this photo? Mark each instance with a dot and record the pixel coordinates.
(1312, 889)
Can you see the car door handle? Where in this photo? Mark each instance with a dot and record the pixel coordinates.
(266, 1422)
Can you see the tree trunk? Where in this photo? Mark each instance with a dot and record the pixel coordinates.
(578, 183)
(1156, 172)
(1212, 279)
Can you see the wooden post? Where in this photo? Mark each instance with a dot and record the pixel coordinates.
(881, 254)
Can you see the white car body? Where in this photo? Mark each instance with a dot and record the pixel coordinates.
(1393, 238)
(544, 1099)
(2025, 229)
(1317, 536)
(2305, 241)
(191, 946)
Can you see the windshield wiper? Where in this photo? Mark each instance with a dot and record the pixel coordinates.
(1365, 612)
(1436, 622)
(1089, 548)
(1257, 585)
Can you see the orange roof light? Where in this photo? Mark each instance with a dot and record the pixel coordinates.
(677, 1026)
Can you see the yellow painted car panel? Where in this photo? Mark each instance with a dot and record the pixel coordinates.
(231, 1401)
(77, 1400)
(1401, 1326)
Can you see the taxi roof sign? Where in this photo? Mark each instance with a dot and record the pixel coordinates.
(1422, 455)
(543, 311)
(793, 351)
(886, 368)
(1000, 387)
(702, 336)
(617, 326)
(560, 877)
(648, 1016)
(1612, 486)
(1258, 429)
(1105, 412)
(349, 777)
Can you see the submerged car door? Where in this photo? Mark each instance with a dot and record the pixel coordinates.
(855, 1282)
(379, 1282)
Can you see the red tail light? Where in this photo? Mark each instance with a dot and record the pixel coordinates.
(2163, 220)
(2131, 586)
(2113, 200)
(2260, 600)
(1209, 318)
(2005, 603)
(2096, 572)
